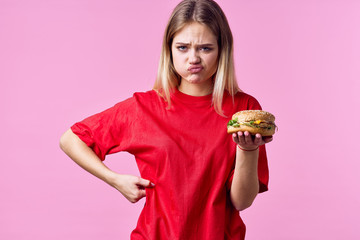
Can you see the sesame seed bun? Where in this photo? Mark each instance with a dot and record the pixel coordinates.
(253, 121)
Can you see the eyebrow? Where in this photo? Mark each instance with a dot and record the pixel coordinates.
(200, 45)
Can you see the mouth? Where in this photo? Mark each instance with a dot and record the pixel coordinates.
(195, 69)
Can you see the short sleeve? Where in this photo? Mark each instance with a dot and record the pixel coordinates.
(108, 131)
(263, 170)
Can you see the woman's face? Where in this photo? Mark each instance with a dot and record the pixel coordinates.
(195, 53)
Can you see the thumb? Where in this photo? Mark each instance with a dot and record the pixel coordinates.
(145, 183)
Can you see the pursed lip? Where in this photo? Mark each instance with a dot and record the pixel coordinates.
(195, 68)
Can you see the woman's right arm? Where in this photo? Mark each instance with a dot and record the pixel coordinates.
(132, 187)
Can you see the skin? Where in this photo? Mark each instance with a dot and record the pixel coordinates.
(131, 187)
(245, 184)
(195, 57)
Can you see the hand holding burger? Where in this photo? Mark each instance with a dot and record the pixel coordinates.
(252, 128)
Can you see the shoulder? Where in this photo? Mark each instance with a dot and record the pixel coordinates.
(145, 95)
(139, 97)
(240, 101)
(142, 102)
(247, 101)
(150, 97)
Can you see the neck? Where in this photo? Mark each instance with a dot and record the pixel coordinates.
(197, 90)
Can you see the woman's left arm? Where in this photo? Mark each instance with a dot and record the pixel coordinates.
(245, 183)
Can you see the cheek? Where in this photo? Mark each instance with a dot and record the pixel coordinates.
(212, 61)
(177, 61)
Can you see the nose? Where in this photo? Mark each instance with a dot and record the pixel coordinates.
(194, 57)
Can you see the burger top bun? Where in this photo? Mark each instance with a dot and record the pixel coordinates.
(253, 121)
(251, 115)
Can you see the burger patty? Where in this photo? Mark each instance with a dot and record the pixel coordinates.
(262, 123)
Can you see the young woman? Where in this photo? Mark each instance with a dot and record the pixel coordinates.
(196, 177)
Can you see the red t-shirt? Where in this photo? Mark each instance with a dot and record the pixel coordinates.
(186, 151)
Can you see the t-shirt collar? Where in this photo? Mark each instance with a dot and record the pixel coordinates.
(189, 98)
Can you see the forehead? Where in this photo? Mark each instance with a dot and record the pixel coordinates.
(195, 33)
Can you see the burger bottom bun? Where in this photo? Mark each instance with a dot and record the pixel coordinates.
(263, 131)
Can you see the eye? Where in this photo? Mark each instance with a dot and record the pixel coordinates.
(205, 49)
(181, 48)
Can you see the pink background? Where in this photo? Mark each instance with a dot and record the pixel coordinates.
(63, 60)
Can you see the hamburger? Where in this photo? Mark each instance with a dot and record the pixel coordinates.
(253, 121)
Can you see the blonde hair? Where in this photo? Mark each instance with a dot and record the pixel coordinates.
(209, 13)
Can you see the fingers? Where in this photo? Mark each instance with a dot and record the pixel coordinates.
(138, 191)
(141, 194)
(267, 139)
(237, 137)
(132, 188)
(145, 183)
(242, 138)
(248, 138)
(247, 141)
(258, 139)
(136, 196)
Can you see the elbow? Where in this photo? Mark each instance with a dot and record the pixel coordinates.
(244, 200)
(62, 142)
(243, 197)
(243, 205)
(64, 139)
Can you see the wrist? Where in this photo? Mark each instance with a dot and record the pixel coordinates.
(111, 178)
(248, 150)
(247, 159)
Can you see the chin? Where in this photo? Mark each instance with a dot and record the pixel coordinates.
(195, 80)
